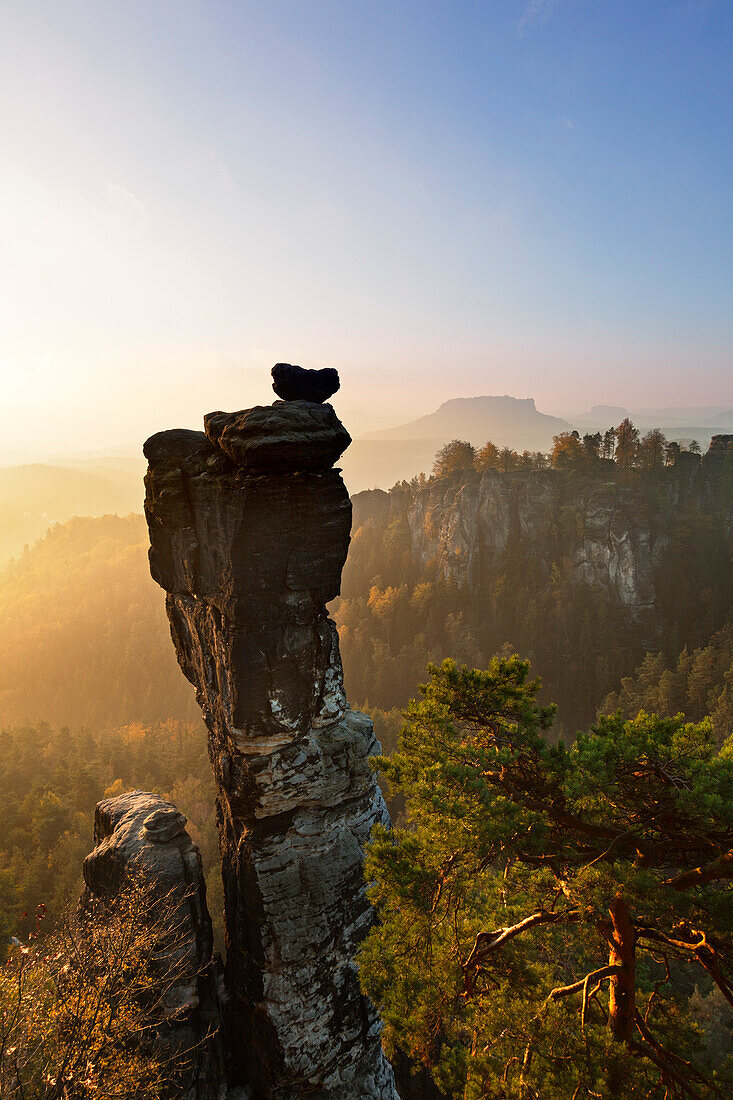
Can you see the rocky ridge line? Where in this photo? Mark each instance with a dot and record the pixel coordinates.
(464, 525)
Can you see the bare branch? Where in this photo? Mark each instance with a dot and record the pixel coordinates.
(488, 942)
(720, 868)
(599, 975)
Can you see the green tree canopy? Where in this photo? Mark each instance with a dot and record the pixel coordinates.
(488, 457)
(547, 912)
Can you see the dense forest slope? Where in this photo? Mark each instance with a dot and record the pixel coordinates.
(581, 570)
(92, 703)
(50, 782)
(35, 496)
(83, 633)
(698, 683)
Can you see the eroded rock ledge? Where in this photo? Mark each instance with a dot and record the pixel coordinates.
(249, 529)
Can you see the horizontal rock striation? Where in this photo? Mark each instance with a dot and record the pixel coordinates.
(141, 837)
(286, 436)
(249, 529)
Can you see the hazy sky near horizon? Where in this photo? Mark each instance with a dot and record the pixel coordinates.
(439, 197)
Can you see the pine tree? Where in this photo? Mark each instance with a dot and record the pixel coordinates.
(547, 912)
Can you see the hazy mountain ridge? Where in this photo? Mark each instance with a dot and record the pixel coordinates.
(381, 458)
(34, 496)
(677, 422)
(507, 421)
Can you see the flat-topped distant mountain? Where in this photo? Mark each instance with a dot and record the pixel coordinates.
(380, 458)
(605, 414)
(506, 421)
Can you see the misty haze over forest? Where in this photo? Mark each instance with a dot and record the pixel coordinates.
(38, 490)
(366, 719)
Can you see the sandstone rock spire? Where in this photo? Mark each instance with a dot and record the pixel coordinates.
(249, 529)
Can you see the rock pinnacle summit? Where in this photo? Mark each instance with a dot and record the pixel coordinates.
(249, 529)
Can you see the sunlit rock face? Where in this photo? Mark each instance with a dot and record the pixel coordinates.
(612, 534)
(249, 529)
(140, 836)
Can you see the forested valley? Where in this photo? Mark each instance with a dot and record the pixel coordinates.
(582, 563)
(606, 564)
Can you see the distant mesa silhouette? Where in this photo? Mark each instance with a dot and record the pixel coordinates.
(293, 383)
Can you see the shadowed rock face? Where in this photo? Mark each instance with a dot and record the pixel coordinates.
(142, 835)
(618, 537)
(249, 553)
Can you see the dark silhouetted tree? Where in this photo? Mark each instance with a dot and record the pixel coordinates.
(652, 450)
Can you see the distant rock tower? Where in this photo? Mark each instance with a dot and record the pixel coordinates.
(249, 529)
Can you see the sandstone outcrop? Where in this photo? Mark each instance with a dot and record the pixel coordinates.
(713, 461)
(249, 529)
(467, 528)
(279, 438)
(140, 836)
(614, 532)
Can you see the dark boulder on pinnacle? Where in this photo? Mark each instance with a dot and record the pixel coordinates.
(294, 383)
(249, 529)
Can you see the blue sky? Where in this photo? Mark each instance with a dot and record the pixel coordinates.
(439, 198)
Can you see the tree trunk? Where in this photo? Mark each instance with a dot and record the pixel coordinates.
(622, 1002)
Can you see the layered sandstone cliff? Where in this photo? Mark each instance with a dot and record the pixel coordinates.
(468, 528)
(613, 531)
(249, 527)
